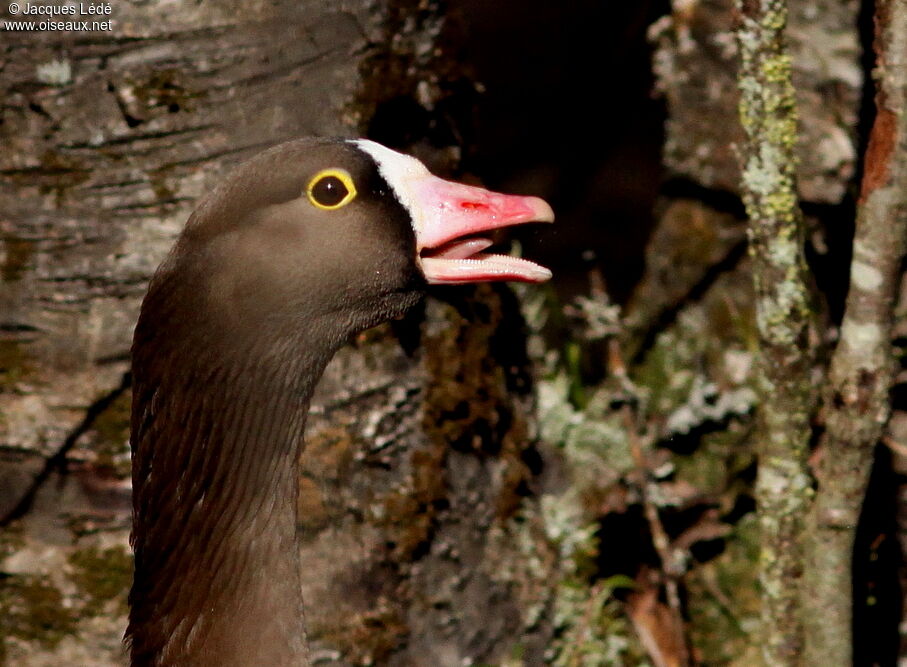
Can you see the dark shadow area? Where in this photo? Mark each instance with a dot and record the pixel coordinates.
(877, 595)
(553, 100)
(626, 544)
(566, 111)
(829, 264)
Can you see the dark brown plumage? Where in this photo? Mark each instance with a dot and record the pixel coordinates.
(268, 279)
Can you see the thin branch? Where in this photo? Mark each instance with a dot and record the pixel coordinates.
(660, 540)
(670, 572)
(783, 487)
(861, 373)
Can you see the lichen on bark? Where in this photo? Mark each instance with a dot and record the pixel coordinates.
(857, 397)
(783, 488)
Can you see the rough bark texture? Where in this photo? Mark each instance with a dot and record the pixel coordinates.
(696, 63)
(485, 548)
(783, 487)
(417, 531)
(416, 552)
(857, 404)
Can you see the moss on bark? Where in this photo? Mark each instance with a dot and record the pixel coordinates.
(769, 118)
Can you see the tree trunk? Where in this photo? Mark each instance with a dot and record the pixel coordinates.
(785, 158)
(776, 233)
(862, 368)
(417, 535)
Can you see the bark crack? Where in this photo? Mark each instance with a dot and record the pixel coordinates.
(57, 461)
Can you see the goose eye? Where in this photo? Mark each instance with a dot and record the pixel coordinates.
(330, 189)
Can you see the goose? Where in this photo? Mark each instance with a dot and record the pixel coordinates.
(295, 251)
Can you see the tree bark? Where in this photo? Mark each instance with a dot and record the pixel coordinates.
(776, 234)
(857, 404)
(109, 138)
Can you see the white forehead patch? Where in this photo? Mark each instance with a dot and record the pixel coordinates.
(400, 171)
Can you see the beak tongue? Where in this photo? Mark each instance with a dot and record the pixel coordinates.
(445, 213)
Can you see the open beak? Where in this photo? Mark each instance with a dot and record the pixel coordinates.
(449, 223)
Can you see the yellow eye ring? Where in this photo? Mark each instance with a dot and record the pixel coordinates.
(331, 189)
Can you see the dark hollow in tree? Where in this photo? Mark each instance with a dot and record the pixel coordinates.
(299, 248)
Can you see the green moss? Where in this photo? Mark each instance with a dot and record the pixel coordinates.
(465, 383)
(111, 430)
(468, 403)
(409, 514)
(34, 610)
(665, 373)
(327, 465)
(101, 575)
(715, 468)
(723, 601)
(592, 628)
(31, 609)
